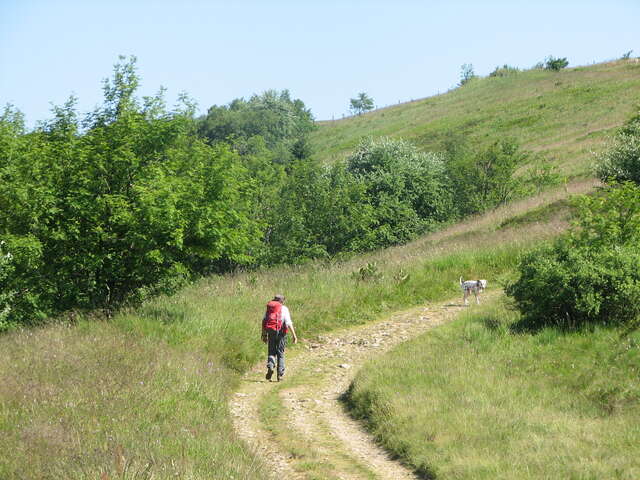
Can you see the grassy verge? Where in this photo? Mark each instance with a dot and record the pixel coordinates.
(472, 400)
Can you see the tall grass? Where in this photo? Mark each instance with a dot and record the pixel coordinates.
(90, 402)
(472, 400)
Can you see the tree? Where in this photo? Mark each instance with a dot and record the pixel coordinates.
(621, 162)
(555, 64)
(284, 124)
(126, 203)
(361, 104)
(466, 73)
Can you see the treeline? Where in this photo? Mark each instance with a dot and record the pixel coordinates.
(136, 198)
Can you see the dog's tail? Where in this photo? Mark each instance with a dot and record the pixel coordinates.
(461, 282)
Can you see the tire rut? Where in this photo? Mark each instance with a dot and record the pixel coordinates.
(316, 438)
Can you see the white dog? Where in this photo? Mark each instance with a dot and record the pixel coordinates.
(475, 286)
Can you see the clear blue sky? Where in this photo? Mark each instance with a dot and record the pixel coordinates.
(324, 52)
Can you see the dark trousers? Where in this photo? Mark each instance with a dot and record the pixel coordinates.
(276, 342)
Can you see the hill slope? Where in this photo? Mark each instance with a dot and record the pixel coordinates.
(564, 115)
(147, 392)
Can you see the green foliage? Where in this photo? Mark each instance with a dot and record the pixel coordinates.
(504, 71)
(555, 64)
(6, 294)
(284, 124)
(626, 55)
(125, 202)
(407, 188)
(621, 162)
(592, 274)
(361, 104)
(368, 272)
(466, 74)
(486, 178)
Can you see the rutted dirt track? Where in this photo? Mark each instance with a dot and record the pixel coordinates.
(300, 426)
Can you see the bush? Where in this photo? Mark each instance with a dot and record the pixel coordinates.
(408, 189)
(555, 64)
(486, 178)
(622, 161)
(591, 274)
(504, 71)
(568, 287)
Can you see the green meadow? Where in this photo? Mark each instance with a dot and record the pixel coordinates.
(144, 394)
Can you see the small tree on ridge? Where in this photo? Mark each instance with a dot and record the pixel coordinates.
(361, 104)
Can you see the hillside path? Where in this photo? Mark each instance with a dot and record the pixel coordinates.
(299, 426)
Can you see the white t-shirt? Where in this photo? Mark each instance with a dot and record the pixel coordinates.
(286, 317)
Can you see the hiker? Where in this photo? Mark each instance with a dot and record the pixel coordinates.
(275, 325)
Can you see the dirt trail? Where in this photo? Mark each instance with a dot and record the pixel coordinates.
(299, 424)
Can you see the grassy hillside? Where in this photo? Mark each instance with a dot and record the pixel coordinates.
(145, 394)
(563, 115)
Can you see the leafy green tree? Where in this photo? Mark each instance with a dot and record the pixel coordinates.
(555, 64)
(126, 202)
(621, 162)
(466, 73)
(362, 103)
(284, 124)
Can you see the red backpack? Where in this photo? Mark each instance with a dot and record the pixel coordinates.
(273, 317)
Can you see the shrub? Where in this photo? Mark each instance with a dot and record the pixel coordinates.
(486, 178)
(408, 189)
(555, 64)
(621, 162)
(569, 287)
(504, 71)
(591, 274)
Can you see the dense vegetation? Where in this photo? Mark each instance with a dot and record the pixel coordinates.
(127, 199)
(136, 199)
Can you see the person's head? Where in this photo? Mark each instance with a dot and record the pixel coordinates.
(278, 297)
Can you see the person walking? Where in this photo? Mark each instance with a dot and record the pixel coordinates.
(275, 325)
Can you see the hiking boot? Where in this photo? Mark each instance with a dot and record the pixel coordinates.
(280, 375)
(269, 374)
